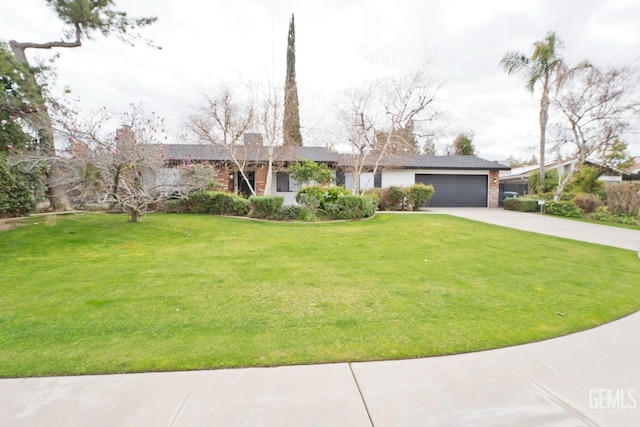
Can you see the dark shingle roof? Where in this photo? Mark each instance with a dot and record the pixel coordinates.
(445, 162)
(249, 153)
(254, 153)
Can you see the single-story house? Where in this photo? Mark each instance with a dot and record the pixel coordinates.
(459, 181)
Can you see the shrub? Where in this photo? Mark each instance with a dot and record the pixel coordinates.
(210, 202)
(310, 195)
(353, 207)
(266, 207)
(418, 195)
(521, 204)
(587, 202)
(240, 207)
(396, 198)
(568, 209)
(382, 194)
(16, 196)
(321, 196)
(602, 214)
(175, 206)
(586, 180)
(291, 212)
(623, 198)
(307, 214)
(550, 181)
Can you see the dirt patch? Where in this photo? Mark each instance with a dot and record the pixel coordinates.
(8, 224)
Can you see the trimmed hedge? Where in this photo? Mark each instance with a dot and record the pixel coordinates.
(266, 207)
(353, 207)
(521, 204)
(210, 202)
(402, 198)
(418, 195)
(271, 207)
(396, 198)
(568, 209)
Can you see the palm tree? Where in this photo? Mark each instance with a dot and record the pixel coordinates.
(545, 65)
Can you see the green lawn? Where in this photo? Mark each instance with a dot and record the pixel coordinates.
(96, 294)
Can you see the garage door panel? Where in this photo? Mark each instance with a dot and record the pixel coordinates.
(456, 191)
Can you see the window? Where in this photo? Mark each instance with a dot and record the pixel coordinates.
(282, 182)
(377, 180)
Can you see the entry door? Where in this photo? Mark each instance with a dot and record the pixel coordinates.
(243, 187)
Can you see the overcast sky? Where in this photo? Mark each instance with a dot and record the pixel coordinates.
(339, 44)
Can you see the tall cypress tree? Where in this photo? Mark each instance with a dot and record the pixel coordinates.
(291, 120)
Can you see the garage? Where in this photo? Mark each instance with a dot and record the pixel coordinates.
(456, 191)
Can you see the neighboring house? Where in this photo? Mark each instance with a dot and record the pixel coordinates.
(636, 166)
(517, 179)
(459, 181)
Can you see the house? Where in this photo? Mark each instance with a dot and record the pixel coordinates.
(517, 179)
(459, 181)
(254, 161)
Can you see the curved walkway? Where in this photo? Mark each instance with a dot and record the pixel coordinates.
(591, 378)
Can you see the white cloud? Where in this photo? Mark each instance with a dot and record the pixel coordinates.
(339, 43)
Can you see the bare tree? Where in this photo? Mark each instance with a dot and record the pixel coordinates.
(117, 166)
(269, 122)
(598, 107)
(385, 119)
(223, 120)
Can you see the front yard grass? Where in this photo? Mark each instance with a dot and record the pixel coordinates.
(94, 293)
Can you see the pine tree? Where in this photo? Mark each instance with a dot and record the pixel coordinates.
(291, 120)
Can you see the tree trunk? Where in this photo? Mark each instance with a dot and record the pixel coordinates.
(544, 118)
(561, 186)
(56, 187)
(267, 183)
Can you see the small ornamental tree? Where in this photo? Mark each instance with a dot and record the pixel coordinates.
(119, 167)
(309, 171)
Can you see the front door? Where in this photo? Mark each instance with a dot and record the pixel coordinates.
(243, 186)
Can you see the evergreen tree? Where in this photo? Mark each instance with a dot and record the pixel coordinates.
(463, 145)
(291, 120)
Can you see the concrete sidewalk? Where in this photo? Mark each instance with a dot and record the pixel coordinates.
(590, 378)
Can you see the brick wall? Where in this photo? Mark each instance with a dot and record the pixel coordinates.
(222, 177)
(494, 189)
(261, 180)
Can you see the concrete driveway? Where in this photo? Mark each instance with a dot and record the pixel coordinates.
(550, 225)
(591, 378)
